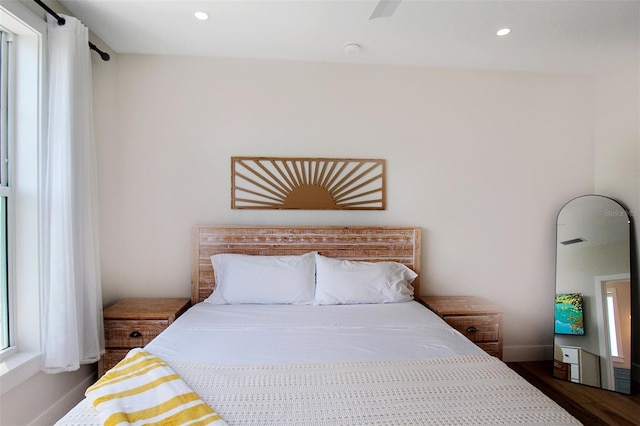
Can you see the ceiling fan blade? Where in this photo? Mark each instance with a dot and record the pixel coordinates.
(384, 9)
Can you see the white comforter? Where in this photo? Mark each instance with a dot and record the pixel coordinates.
(278, 334)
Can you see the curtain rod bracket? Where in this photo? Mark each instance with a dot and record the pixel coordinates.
(104, 55)
(61, 21)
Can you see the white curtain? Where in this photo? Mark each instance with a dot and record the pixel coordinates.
(73, 332)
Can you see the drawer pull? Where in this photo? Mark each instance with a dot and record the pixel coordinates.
(135, 334)
(471, 329)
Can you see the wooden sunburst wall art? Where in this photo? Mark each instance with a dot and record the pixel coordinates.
(307, 183)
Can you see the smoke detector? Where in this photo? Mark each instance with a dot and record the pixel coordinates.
(352, 48)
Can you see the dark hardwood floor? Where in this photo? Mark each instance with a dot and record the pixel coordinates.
(589, 405)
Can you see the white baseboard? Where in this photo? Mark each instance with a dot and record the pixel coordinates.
(527, 353)
(65, 403)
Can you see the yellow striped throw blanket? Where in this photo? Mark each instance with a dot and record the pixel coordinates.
(143, 390)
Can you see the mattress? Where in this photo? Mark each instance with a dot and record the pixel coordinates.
(385, 364)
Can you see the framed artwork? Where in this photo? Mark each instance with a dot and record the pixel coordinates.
(569, 314)
(307, 183)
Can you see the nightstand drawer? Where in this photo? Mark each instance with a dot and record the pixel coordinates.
(492, 348)
(476, 318)
(111, 358)
(477, 328)
(131, 333)
(132, 323)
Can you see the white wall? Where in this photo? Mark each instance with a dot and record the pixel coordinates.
(44, 398)
(617, 171)
(482, 161)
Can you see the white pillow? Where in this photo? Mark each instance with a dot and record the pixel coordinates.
(263, 279)
(347, 282)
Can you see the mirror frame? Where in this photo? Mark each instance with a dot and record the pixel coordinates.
(582, 352)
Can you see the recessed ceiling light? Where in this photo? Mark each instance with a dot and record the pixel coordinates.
(203, 16)
(503, 31)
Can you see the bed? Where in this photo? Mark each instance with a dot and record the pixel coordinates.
(259, 355)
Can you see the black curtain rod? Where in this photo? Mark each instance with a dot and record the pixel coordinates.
(61, 21)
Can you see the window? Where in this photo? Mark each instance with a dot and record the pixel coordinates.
(612, 319)
(22, 71)
(5, 189)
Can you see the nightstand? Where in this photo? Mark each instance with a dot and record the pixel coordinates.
(478, 319)
(132, 323)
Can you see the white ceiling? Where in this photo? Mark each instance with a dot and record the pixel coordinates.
(565, 36)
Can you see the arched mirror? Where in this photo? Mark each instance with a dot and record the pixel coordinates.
(592, 343)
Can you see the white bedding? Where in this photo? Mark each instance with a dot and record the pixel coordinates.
(276, 334)
(385, 364)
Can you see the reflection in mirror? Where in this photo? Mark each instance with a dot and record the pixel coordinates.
(592, 343)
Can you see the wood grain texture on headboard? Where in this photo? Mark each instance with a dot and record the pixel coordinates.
(362, 243)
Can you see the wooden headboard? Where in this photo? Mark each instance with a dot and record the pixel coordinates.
(362, 243)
